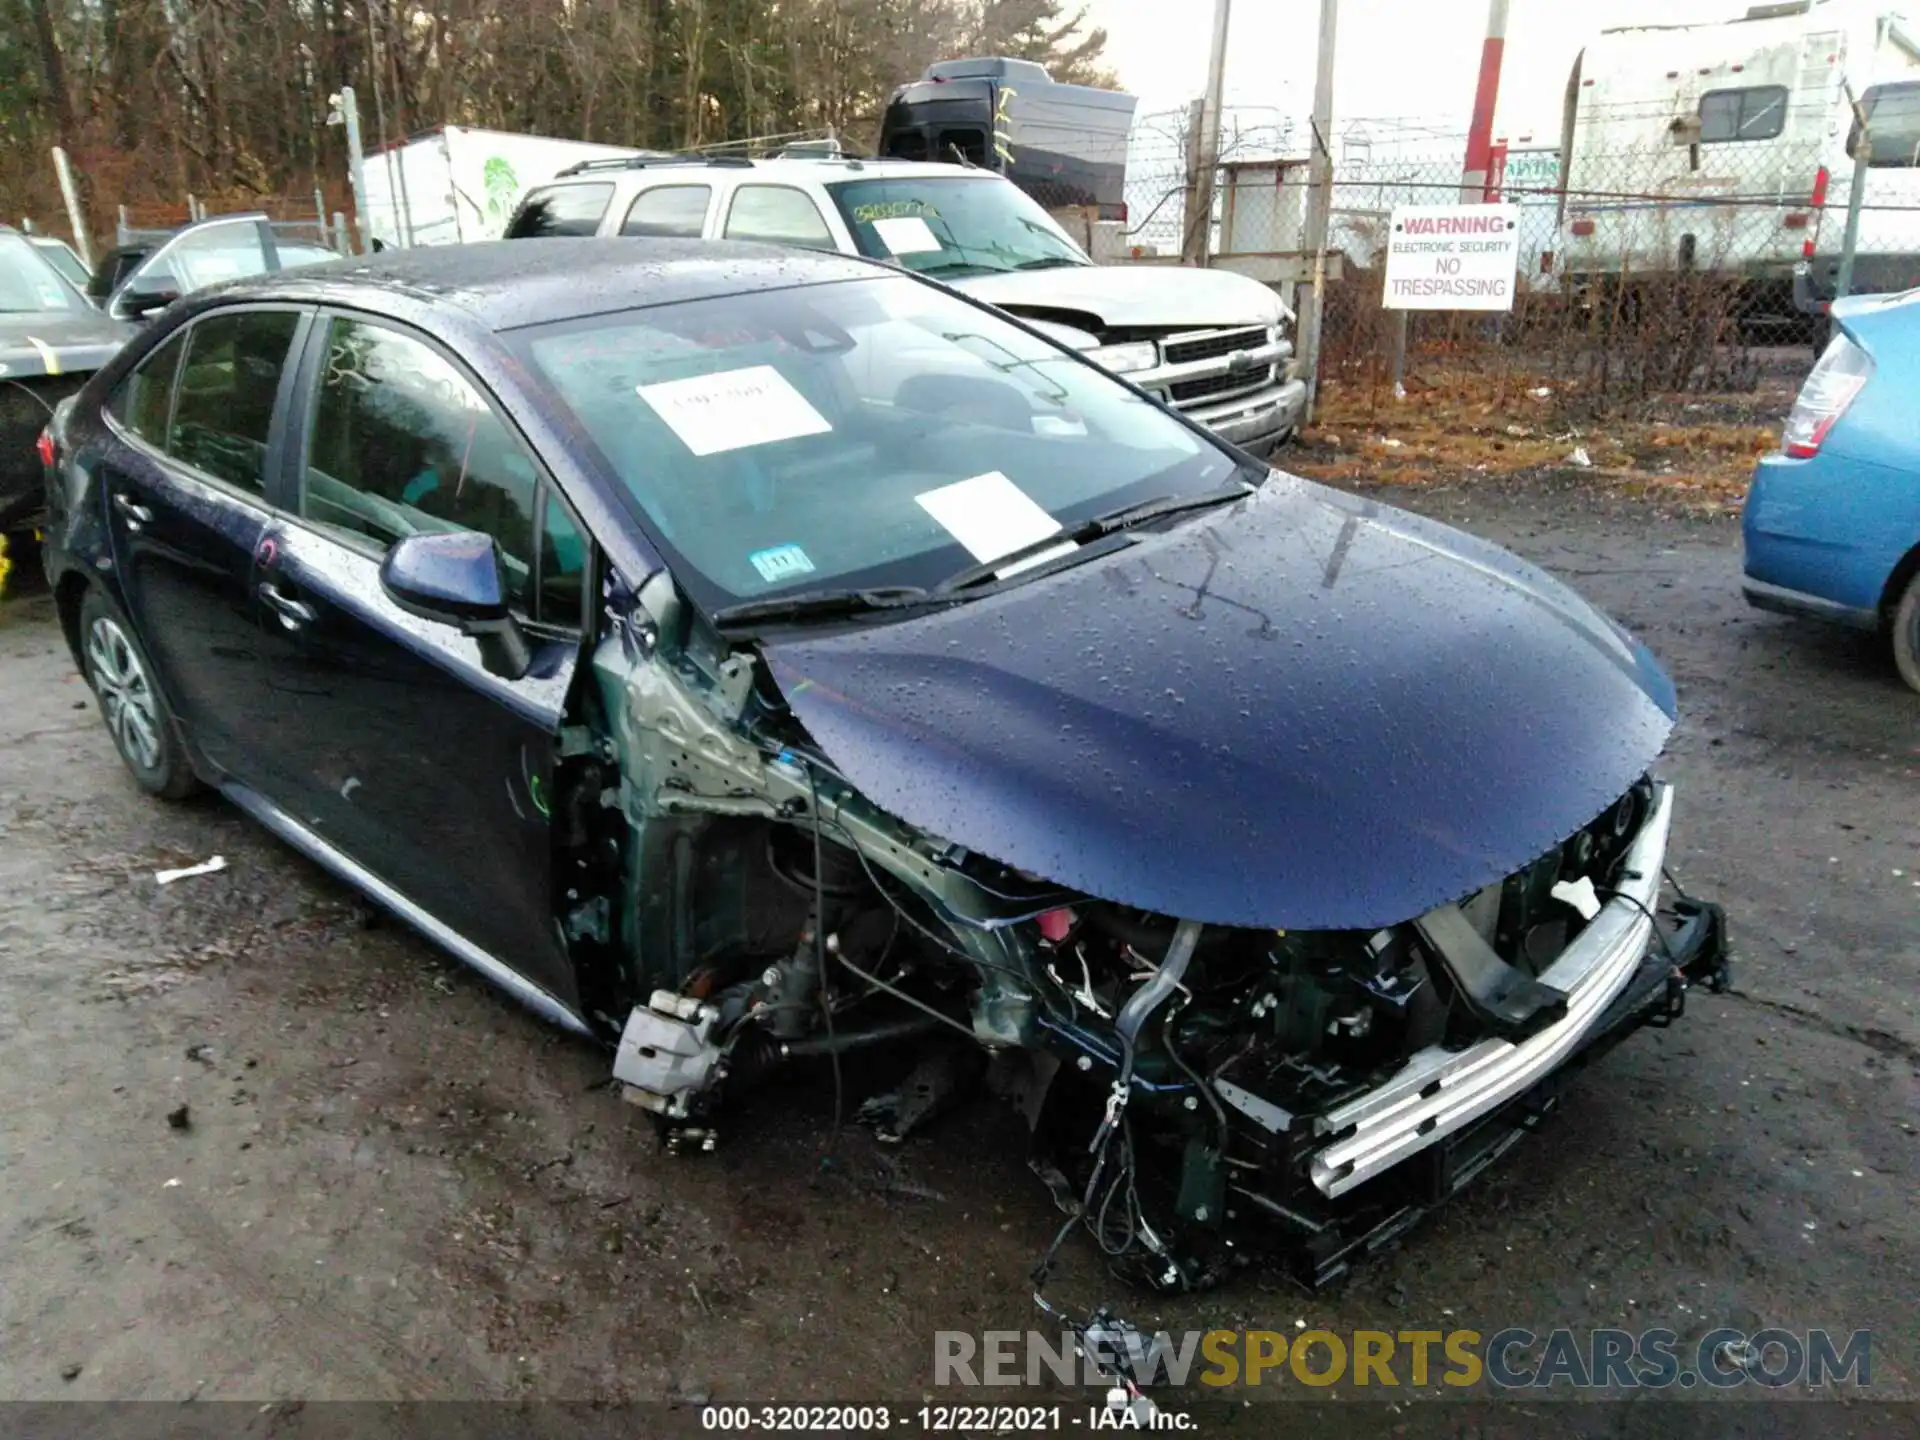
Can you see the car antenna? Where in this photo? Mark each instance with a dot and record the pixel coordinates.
(961, 156)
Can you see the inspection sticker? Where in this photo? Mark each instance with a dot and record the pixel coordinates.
(734, 409)
(906, 235)
(783, 562)
(991, 516)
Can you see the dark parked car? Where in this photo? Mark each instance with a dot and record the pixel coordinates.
(51, 340)
(744, 656)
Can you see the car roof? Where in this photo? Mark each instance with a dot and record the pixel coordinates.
(822, 169)
(506, 284)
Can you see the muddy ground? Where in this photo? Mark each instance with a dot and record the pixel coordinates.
(394, 1184)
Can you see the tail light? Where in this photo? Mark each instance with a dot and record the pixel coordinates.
(45, 446)
(1836, 380)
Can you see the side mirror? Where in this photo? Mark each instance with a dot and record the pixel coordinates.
(146, 295)
(455, 578)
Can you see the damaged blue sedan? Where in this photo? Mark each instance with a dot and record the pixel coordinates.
(744, 657)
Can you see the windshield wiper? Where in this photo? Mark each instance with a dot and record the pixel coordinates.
(821, 605)
(955, 267)
(1049, 262)
(1087, 531)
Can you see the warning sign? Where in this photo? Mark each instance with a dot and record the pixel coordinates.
(1452, 257)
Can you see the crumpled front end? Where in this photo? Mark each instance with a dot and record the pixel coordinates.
(1250, 1092)
(1307, 1095)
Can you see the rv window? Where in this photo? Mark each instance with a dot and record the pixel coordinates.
(561, 210)
(1893, 123)
(1758, 113)
(907, 145)
(968, 144)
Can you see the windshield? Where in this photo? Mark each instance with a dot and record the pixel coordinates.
(952, 225)
(60, 257)
(863, 433)
(28, 284)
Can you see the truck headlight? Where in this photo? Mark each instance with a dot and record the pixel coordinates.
(1127, 359)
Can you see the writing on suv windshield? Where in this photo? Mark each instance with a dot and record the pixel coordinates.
(948, 226)
(872, 432)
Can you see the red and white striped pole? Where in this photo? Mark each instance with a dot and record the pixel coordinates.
(1473, 179)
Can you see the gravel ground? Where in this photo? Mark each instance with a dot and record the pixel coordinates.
(392, 1184)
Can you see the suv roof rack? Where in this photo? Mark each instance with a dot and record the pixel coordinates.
(642, 162)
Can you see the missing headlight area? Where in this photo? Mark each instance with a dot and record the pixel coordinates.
(1200, 1096)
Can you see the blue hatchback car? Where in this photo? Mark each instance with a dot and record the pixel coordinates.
(1832, 522)
(743, 655)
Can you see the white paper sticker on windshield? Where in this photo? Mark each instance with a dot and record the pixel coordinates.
(906, 235)
(991, 516)
(734, 409)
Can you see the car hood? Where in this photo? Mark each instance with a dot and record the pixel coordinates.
(56, 343)
(1307, 711)
(1159, 297)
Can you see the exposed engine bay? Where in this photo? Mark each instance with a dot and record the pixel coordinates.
(736, 905)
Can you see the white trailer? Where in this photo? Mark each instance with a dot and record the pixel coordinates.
(458, 184)
(1726, 149)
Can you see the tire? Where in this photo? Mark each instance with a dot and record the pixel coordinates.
(1906, 633)
(136, 714)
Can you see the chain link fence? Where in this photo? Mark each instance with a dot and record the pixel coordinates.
(1643, 272)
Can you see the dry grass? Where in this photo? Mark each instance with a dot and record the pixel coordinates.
(1453, 424)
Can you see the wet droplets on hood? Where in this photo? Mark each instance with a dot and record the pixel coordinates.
(1226, 741)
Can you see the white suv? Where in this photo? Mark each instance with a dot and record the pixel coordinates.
(1212, 344)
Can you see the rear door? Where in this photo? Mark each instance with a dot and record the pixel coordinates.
(191, 432)
(393, 741)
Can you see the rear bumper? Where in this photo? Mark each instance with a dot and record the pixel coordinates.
(1255, 422)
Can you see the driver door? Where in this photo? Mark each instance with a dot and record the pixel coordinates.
(396, 745)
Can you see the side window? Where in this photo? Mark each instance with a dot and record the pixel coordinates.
(1756, 113)
(561, 210)
(143, 402)
(1893, 127)
(223, 401)
(778, 214)
(401, 442)
(564, 553)
(668, 210)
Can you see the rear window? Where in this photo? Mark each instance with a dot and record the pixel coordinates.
(1893, 127)
(1758, 112)
(561, 210)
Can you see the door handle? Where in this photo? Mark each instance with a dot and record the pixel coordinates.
(293, 613)
(136, 513)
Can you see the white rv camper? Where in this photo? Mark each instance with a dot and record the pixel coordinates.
(1726, 149)
(458, 184)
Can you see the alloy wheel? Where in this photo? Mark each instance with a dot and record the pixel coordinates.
(126, 693)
